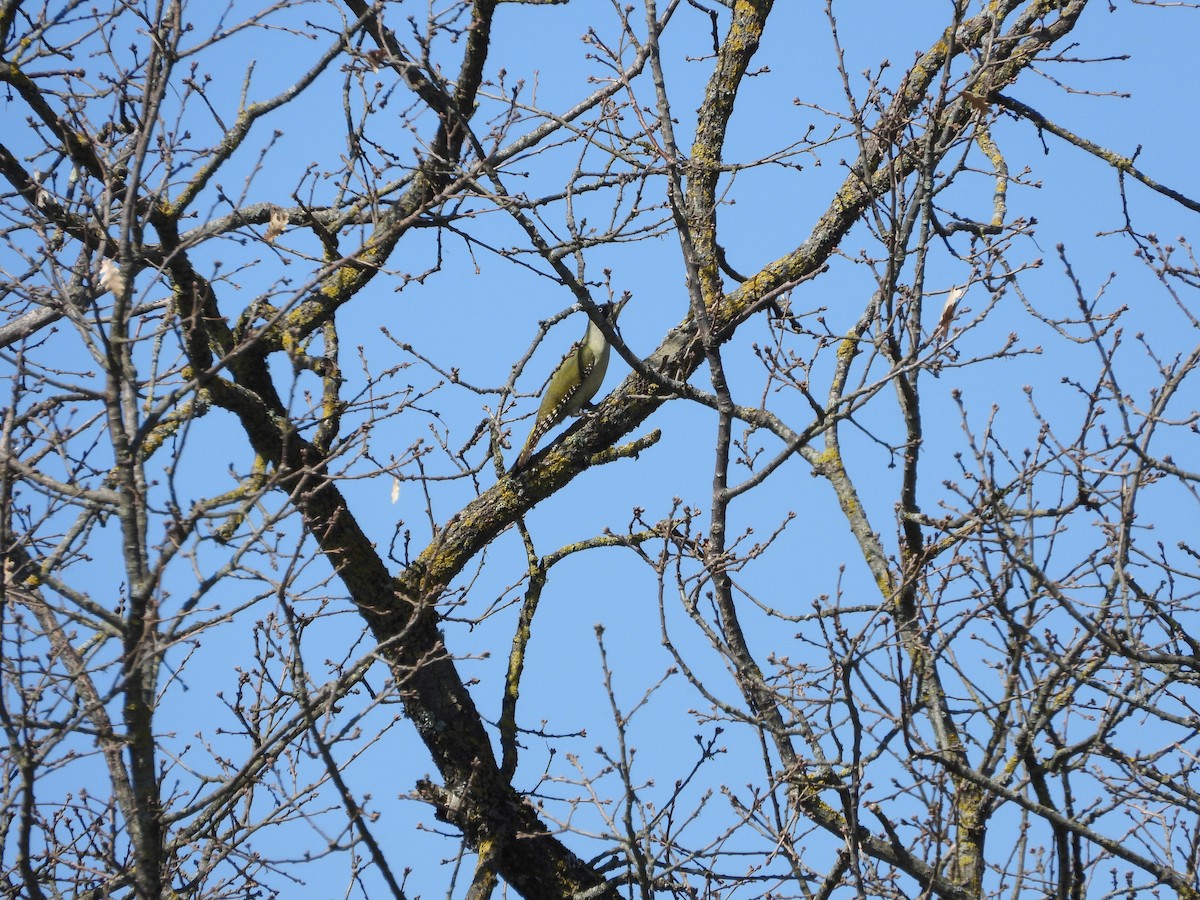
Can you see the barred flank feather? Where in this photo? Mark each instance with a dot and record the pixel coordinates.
(574, 383)
(553, 410)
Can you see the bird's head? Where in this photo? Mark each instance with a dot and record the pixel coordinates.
(612, 309)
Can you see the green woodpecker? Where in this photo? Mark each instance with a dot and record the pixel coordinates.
(575, 381)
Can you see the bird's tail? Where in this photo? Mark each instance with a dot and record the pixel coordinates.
(526, 452)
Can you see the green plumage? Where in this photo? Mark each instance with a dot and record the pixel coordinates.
(574, 383)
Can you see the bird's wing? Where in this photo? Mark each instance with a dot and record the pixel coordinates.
(554, 409)
(585, 358)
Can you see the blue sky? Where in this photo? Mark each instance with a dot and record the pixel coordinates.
(479, 313)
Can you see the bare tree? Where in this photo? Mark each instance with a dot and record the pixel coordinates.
(958, 666)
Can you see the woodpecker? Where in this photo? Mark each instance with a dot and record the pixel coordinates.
(575, 381)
